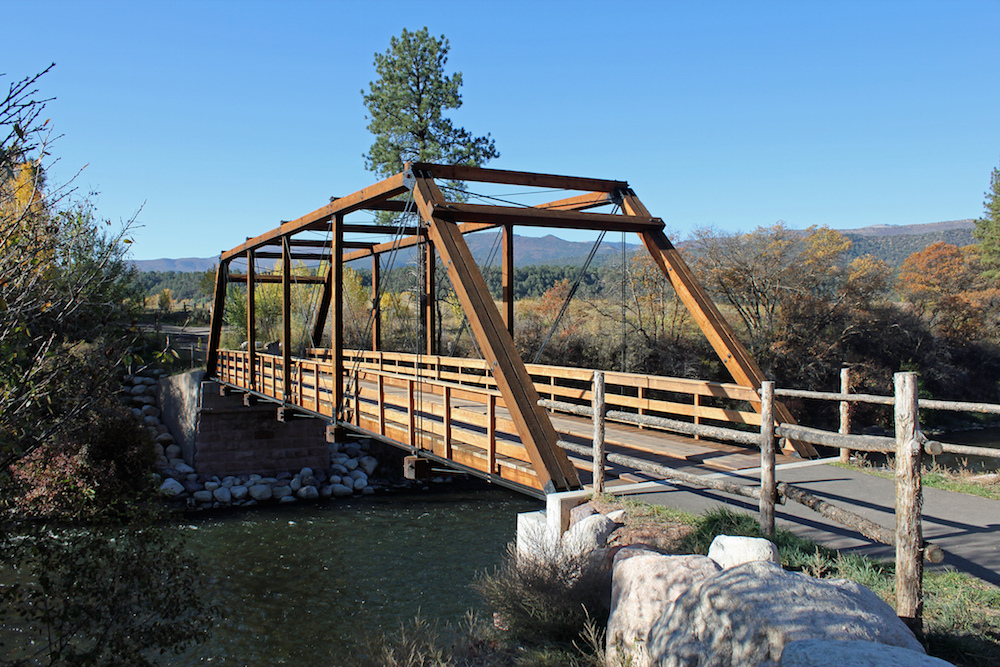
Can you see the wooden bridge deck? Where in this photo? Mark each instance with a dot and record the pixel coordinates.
(448, 410)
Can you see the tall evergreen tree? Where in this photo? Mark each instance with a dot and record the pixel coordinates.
(987, 230)
(406, 105)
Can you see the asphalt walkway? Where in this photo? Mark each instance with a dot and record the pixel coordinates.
(966, 527)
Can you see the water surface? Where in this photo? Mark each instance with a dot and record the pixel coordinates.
(306, 584)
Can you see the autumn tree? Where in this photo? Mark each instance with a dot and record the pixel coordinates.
(945, 284)
(799, 302)
(987, 230)
(406, 108)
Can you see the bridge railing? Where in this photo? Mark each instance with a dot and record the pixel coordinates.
(697, 401)
(463, 423)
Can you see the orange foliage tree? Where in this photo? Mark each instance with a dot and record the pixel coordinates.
(943, 282)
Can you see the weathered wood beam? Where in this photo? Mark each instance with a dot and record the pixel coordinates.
(429, 299)
(535, 217)
(251, 316)
(551, 465)
(376, 305)
(507, 277)
(457, 172)
(390, 187)
(323, 308)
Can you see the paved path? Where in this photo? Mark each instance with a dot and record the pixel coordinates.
(966, 527)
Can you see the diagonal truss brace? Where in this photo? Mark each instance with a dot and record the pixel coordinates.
(554, 470)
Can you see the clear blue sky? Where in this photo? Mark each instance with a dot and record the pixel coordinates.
(222, 118)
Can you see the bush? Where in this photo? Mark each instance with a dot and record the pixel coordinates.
(103, 465)
(549, 598)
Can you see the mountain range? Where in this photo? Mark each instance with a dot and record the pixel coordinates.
(891, 243)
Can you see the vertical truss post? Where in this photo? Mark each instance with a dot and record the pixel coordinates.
(376, 305)
(286, 318)
(551, 465)
(337, 306)
(429, 300)
(720, 335)
(218, 314)
(507, 277)
(252, 318)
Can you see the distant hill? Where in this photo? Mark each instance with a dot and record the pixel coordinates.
(890, 243)
(894, 243)
(183, 265)
(528, 251)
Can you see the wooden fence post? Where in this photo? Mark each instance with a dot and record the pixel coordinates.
(909, 501)
(768, 490)
(845, 412)
(597, 402)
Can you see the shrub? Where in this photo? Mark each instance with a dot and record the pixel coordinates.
(105, 463)
(547, 598)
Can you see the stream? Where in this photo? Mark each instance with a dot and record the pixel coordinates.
(309, 584)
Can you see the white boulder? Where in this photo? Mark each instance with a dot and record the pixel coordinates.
(644, 584)
(744, 617)
(729, 551)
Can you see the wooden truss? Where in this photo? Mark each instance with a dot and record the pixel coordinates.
(443, 224)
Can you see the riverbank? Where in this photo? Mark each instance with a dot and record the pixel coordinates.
(962, 614)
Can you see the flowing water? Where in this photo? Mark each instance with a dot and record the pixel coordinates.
(307, 584)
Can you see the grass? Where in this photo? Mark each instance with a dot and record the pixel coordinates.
(960, 480)
(545, 616)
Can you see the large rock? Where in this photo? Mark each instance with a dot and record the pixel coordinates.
(308, 493)
(181, 467)
(731, 550)
(644, 584)
(827, 653)
(171, 487)
(164, 439)
(745, 616)
(280, 492)
(341, 490)
(368, 464)
(588, 534)
(260, 492)
(203, 496)
(238, 492)
(222, 494)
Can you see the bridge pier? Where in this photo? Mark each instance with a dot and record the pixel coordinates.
(221, 435)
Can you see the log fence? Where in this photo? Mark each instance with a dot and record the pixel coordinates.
(907, 447)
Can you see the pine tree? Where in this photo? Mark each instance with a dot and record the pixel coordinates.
(406, 105)
(987, 230)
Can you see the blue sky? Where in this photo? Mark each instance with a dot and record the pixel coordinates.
(220, 119)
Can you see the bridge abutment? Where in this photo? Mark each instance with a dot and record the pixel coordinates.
(219, 435)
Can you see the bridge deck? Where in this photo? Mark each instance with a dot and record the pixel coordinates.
(439, 408)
